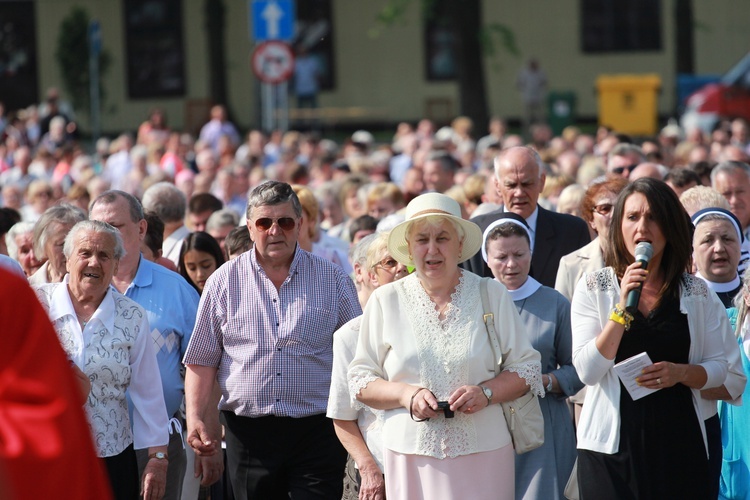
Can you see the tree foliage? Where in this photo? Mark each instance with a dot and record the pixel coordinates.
(72, 56)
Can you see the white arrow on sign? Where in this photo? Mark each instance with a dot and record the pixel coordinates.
(272, 14)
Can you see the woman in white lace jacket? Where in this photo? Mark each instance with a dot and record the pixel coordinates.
(423, 341)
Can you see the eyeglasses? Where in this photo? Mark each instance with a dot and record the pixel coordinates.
(265, 223)
(388, 263)
(620, 170)
(603, 209)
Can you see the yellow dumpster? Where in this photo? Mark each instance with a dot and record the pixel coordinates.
(628, 103)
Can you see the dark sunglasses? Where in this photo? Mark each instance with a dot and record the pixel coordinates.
(603, 209)
(620, 170)
(387, 263)
(265, 223)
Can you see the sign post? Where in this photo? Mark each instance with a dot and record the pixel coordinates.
(95, 49)
(272, 26)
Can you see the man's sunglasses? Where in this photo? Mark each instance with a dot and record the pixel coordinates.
(265, 223)
(620, 170)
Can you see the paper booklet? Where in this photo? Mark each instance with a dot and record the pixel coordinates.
(631, 368)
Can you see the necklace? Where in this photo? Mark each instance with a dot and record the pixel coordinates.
(83, 321)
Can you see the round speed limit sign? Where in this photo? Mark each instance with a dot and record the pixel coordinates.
(273, 62)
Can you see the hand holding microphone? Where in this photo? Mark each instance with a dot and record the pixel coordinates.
(643, 253)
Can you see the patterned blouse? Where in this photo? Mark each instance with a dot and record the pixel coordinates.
(113, 350)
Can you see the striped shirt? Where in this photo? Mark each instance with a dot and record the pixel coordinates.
(273, 348)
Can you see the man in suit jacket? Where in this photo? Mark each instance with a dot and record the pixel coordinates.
(519, 174)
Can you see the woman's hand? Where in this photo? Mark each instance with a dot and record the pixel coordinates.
(423, 403)
(372, 486)
(662, 374)
(633, 278)
(468, 399)
(154, 479)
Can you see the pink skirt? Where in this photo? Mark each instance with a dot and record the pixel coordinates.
(487, 475)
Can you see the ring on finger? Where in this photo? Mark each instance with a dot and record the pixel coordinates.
(658, 381)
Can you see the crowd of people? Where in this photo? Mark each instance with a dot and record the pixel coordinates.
(288, 315)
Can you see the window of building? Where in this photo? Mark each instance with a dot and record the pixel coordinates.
(18, 62)
(315, 33)
(154, 48)
(621, 25)
(439, 43)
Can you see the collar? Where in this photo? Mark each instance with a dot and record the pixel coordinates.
(144, 276)
(292, 266)
(531, 221)
(526, 290)
(61, 306)
(721, 287)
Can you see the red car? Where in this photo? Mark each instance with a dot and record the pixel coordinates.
(728, 98)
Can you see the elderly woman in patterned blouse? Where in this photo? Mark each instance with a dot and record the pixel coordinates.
(106, 335)
(423, 341)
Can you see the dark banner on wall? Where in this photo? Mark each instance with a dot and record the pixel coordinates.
(154, 46)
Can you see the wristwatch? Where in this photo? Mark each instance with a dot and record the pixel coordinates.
(487, 393)
(158, 455)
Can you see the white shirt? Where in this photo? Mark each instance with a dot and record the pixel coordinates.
(340, 404)
(173, 243)
(114, 350)
(531, 221)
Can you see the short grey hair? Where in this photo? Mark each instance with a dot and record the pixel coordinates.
(222, 218)
(10, 237)
(53, 218)
(358, 252)
(541, 167)
(94, 226)
(728, 167)
(135, 209)
(625, 149)
(273, 193)
(166, 201)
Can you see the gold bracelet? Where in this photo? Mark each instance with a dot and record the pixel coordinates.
(621, 317)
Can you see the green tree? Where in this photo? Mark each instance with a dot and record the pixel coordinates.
(72, 56)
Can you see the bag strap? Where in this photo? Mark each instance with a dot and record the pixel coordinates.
(489, 324)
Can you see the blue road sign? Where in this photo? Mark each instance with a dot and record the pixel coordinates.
(272, 20)
(95, 37)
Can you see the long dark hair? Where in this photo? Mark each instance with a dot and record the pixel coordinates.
(674, 223)
(202, 242)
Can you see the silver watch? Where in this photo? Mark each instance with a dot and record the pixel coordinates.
(487, 393)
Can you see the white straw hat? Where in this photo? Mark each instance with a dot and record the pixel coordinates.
(432, 205)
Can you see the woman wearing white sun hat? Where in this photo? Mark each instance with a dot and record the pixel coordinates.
(423, 341)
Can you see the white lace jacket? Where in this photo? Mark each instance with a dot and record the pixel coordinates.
(402, 340)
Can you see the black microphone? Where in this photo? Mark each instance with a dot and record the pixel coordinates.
(643, 253)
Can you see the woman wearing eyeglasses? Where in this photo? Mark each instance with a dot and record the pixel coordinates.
(359, 427)
(597, 211)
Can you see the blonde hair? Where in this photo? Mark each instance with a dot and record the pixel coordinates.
(378, 243)
(474, 187)
(310, 206)
(386, 190)
(700, 197)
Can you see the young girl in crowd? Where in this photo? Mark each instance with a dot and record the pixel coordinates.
(200, 256)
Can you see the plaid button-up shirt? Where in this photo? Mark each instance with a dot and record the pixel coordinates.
(272, 348)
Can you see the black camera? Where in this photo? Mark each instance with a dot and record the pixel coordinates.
(446, 407)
